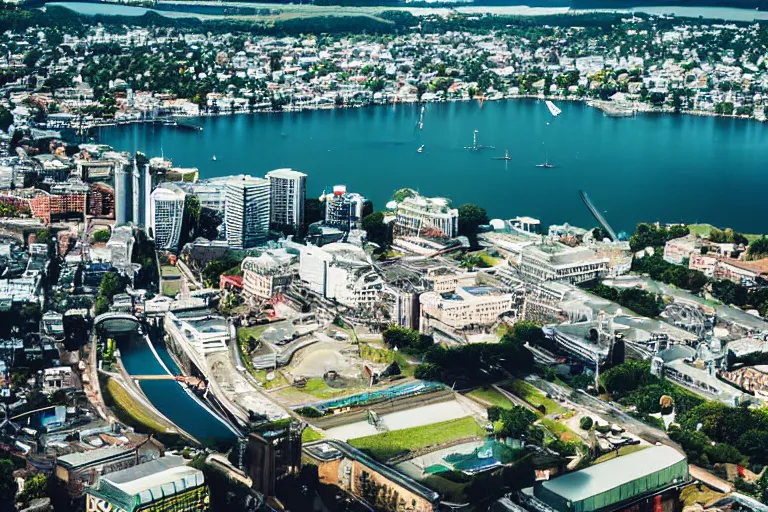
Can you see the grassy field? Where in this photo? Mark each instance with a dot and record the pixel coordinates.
(561, 431)
(698, 494)
(319, 389)
(243, 333)
(382, 355)
(624, 450)
(278, 381)
(132, 408)
(170, 287)
(533, 396)
(704, 229)
(488, 395)
(386, 445)
(310, 435)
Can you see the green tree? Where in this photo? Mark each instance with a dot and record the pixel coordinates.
(8, 485)
(34, 487)
(527, 330)
(6, 118)
(101, 236)
(471, 217)
(377, 231)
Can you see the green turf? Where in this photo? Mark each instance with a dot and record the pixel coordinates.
(386, 445)
(533, 396)
(488, 395)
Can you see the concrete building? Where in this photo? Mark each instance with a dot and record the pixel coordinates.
(163, 485)
(558, 262)
(211, 193)
(101, 201)
(79, 470)
(343, 210)
(47, 207)
(680, 250)
(247, 211)
(205, 333)
(267, 274)
(120, 245)
(470, 306)
(57, 378)
(423, 216)
(166, 215)
(747, 273)
(288, 188)
(340, 272)
(353, 471)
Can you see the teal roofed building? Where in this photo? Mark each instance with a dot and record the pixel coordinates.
(637, 480)
(163, 485)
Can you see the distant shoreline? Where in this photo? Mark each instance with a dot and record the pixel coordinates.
(609, 109)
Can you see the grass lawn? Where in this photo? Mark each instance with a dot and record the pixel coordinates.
(310, 435)
(698, 494)
(243, 333)
(488, 395)
(561, 431)
(533, 396)
(319, 389)
(704, 230)
(132, 408)
(386, 445)
(261, 376)
(382, 355)
(624, 450)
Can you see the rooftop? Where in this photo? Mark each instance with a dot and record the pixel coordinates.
(150, 482)
(609, 475)
(75, 460)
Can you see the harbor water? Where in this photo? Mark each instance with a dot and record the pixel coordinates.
(652, 167)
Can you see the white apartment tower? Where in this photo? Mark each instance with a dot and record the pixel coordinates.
(166, 213)
(246, 214)
(288, 188)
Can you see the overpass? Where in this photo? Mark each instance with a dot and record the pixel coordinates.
(118, 322)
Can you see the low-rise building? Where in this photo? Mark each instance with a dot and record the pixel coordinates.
(747, 273)
(163, 485)
(57, 378)
(679, 250)
(620, 482)
(466, 307)
(267, 274)
(558, 262)
(425, 216)
(341, 272)
(79, 470)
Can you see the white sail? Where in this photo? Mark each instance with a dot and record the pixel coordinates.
(553, 108)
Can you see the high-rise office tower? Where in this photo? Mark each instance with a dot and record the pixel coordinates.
(246, 213)
(166, 214)
(288, 188)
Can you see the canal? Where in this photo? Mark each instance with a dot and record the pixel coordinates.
(653, 167)
(168, 396)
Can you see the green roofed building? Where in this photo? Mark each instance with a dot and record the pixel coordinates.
(163, 485)
(656, 472)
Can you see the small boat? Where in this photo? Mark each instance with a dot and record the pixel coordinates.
(505, 157)
(421, 149)
(421, 125)
(214, 158)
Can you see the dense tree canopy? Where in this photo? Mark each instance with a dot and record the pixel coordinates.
(649, 235)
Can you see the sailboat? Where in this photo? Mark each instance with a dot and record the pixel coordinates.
(546, 165)
(421, 149)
